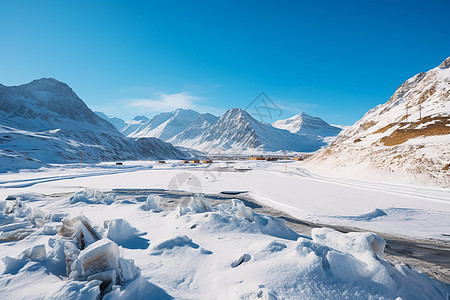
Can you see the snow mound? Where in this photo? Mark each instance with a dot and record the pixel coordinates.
(177, 242)
(121, 232)
(239, 217)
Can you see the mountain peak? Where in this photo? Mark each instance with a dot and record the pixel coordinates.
(445, 64)
(237, 112)
(140, 118)
(45, 83)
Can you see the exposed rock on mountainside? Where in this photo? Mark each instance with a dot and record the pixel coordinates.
(405, 140)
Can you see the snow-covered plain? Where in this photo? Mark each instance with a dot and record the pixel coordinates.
(395, 209)
(201, 252)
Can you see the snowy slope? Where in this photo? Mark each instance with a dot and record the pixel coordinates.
(202, 123)
(117, 122)
(237, 132)
(406, 140)
(46, 121)
(305, 124)
(166, 125)
(133, 124)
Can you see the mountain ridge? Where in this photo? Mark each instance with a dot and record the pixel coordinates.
(46, 121)
(406, 136)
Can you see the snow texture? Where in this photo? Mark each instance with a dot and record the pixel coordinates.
(405, 140)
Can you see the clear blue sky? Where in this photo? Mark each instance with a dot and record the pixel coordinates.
(333, 59)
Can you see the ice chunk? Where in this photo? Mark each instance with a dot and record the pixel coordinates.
(36, 252)
(71, 253)
(98, 257)
(91, 196)
(36, 213)
(181, 210)
(15, 231)
(50, 229)
(153, 203)
(57, 217)
(14, 226)
(78, 229)
(128, 269)
(120, 231)
(15, 235)
(108, 279)
(243, 211)
(223, 206)
(199, 204)
(109, 199)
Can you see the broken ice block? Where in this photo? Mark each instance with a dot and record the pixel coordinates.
(98, 257)
(36, 252)
(153, 203)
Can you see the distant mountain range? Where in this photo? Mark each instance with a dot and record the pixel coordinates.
(234, 132)
(406, 139)
(305, 124)
(45, 121)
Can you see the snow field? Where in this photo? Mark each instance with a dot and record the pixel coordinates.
(221, 252)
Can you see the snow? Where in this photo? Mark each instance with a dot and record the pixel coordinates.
(46, 122)
(410, 210)
(417, 106)
(305, 124)
(121, 232)
(166, 125)
(225, 255)
(237, 132)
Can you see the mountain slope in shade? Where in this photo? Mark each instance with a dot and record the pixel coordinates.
(117, 122)
(166, 125)
(46, 121)
(406, 140)
(238, 132)
(305, 124)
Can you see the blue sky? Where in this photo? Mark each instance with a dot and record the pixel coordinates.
(333, 59)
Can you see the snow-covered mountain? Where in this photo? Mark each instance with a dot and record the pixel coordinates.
(238, 132)
(45, 120)
(117, 122)
(305, 124)
(405, 140)
(202, 123)
(133, 124)
(166, 125)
